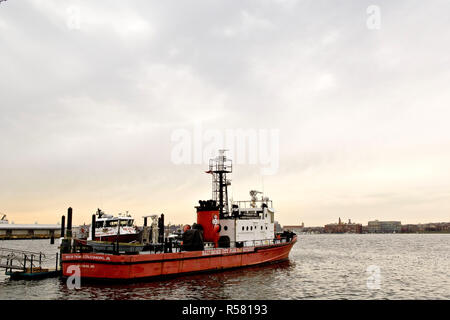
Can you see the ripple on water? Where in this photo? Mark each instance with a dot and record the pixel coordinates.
(412, 266)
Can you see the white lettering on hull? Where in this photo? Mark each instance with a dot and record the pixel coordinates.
(226, 251)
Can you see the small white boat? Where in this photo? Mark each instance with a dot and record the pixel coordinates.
(118, 229)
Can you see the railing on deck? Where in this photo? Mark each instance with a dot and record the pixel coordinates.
(266, 242)
(250, 204)
(27, 261)
(176, 246)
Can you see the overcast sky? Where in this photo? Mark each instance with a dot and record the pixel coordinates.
(91, 93)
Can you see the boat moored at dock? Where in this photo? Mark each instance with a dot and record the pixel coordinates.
(148, 265)
(110, 228)
(227, 234)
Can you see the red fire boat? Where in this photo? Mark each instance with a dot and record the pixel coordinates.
(227, 235)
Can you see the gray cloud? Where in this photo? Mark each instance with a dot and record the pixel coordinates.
(93, 109)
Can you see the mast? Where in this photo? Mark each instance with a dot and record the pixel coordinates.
(219, 167)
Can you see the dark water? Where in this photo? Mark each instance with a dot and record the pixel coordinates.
(411, 266)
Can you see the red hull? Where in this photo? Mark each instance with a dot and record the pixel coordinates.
(129, 267)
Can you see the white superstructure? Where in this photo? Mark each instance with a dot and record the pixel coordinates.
(249, 221)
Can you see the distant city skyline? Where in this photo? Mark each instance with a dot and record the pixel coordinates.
(348, 103)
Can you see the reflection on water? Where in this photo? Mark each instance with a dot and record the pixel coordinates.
(320, 267)
(219, 285)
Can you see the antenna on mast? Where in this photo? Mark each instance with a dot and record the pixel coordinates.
(219, 167)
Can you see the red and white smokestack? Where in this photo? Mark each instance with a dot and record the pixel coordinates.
(208, 218)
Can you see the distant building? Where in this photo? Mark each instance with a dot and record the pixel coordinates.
(410, 228)
(296, 229)
(341, 227)
(441, 227)
(384, 226)
(313, 230)
(29, 231)
(278, 227)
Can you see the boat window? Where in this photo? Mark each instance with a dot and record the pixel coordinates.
(99, 224)
(124, 223)
(111, 223)
(251, 228)
(247, 228)
(243, 228)
(266, 228)
(261, 227)
(225, 228)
